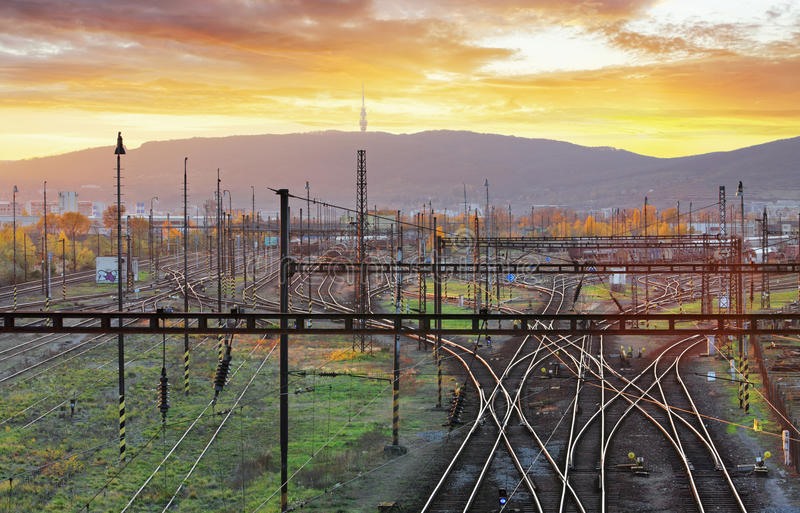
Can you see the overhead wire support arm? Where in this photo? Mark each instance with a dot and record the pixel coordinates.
(326, 267)
(204, 323)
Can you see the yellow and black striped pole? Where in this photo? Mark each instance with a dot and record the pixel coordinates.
(120, 337)
(47, 309)
(122, 428)
(15, 298)
(396, 357)
(738, 366)
(746, 384)
(220, 346)
(309, 300)
(186, 364)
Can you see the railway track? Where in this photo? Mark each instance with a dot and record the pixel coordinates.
(577, 466)
(545, 441)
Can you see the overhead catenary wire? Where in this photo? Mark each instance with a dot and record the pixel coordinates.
(219, 428)
(180, 441)
(330, 439)
(90, 387)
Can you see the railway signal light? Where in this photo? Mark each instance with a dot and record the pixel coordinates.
(502, 496)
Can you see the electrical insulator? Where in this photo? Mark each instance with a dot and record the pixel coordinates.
(163, 393)
(577, 292)
(221, 376)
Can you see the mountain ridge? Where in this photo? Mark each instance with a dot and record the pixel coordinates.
(408, 170)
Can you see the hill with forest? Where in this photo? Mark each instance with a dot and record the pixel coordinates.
(405, 171)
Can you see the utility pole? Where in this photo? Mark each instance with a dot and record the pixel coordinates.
(44, 251)
(361, 225)
(253, 237)
(14, 230)
(169, 229)
(154, 277)
(128, 255)
(466, 211)
(231, 257)
(396, 361)
(284, 346)
(219, 247)
(644, 216)
(723, 231)
(476, 270)
(486, 213)
(63, 269)
(765, 303)
(245, 242)
(437, 309)
(120, 150)
(740, 193)
(509, 220)
(308, 239)
(185, 280)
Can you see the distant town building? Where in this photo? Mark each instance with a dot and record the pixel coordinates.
(86, 208)
(383, 221)
(36, 207)
(7, 208)
(67, 202)
(97, 209)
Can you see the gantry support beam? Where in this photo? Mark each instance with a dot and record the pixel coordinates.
(520, 269)
(405, 324)
(685, 242)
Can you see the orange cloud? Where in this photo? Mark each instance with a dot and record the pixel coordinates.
(426, 65)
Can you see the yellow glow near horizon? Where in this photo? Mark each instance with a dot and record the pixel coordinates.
(657, 77)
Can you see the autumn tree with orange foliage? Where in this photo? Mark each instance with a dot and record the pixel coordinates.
(74, 225)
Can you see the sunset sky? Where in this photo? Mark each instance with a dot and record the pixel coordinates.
(662, 78)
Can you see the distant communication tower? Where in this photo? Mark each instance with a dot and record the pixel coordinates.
(363, 122)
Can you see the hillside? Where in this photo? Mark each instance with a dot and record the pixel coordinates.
(405, 171)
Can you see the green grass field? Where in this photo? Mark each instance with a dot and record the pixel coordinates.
(340, 420)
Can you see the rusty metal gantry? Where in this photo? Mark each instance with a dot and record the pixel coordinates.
(361, 284)
(263, 323)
